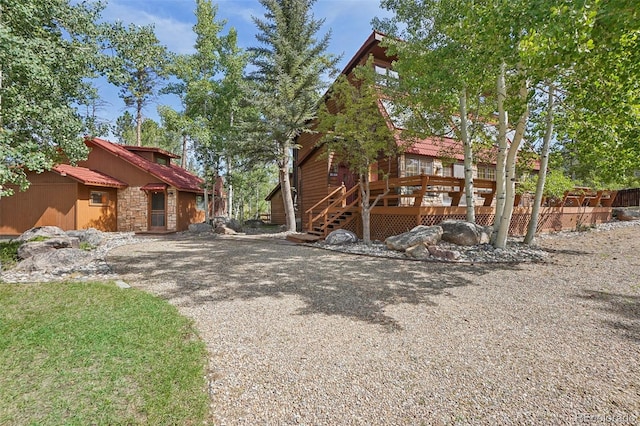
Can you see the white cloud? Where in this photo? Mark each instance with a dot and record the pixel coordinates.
(177, 35)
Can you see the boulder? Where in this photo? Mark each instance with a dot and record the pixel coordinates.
(32, 248)
(625, 213)
(224, 230)
(55, 259)
(199, 228)
(419, 251)
(443, 254)
(228, 222)
(464, 233)
(42, 232)
(341, 236)
(90, 236)
(428, 235)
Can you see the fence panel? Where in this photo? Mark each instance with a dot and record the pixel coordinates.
(627, 197)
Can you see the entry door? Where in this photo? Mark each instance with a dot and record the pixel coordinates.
(348, 178)
(158, 212)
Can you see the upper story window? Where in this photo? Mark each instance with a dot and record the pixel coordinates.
(414, 166)
(162, 160)
(385, 74)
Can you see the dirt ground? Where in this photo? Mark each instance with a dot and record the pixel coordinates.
(302, 335)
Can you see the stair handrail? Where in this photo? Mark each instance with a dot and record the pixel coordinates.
(334, 192)
(333, 204)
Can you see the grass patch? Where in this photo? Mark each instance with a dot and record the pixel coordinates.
(92, 353)
(8, 254)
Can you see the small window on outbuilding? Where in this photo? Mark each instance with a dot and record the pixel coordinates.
(98, 198)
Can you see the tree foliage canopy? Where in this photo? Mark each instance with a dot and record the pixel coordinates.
(48, 50)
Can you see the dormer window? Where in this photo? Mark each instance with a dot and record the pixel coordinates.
(162, 160)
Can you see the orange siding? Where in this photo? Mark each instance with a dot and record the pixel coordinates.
(188, 212)
(277, 209)
(314, 183)
(113, 166)
(103, 218)
(49, 201)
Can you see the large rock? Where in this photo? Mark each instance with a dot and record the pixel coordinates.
(625, 213)
(32, 248)
(199, 228)
(464, 233)
(427, 235)
(341, 236)
(55, 260)
(42, 232)
(419, 251)
(224, 230)
(442, 253)
(227, 222)
(91, 236)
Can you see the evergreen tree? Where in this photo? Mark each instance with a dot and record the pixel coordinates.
(290, 63)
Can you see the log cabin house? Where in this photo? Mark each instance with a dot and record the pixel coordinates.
(429, 173)
(118, 188)
(426, 183)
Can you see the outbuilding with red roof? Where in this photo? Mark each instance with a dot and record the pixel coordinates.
(118, 188)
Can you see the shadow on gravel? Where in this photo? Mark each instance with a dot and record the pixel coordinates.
(625, 307)
(357, 287)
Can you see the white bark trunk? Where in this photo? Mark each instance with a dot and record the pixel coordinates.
(183, 161)
(503, 125)
(505, 220)
(207, 216)
(468, 158)
(542, 174)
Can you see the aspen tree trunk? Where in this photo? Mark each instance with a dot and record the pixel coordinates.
(468, 158)
(206, 204)
(542, 174)
(503, 125)
(505, 220)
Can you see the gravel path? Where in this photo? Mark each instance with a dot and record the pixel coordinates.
(302, 335)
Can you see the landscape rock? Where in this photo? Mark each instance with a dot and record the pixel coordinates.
(32, 248)
(421, 234)
(626, 214)
(91, 236)
(54, 259)
(224, 230)
(42, 232)
(199, 228)
(443, 254)
(227, 222)
(419, 251)
(464, 233)
(341, 236)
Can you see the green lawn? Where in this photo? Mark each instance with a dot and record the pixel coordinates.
(92, 353)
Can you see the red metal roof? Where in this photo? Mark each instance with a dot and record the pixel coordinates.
(171, 174)
(154, 187)
(88, 177)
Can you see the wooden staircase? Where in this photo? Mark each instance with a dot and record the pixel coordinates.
(332, 212)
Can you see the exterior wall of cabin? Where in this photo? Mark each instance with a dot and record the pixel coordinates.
(50, 200)
(133, 208)
(111, 165)
(92, 214)
(277, 209)
(313, 183)
(188, 211)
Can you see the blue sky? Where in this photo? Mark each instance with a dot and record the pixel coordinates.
(348, 20)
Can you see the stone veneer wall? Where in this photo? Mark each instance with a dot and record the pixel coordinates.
(172, 209)
(133, 209)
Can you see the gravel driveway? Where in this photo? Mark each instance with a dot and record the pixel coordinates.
(301, 335)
